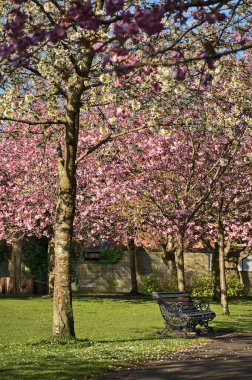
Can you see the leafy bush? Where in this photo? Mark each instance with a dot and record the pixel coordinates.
(112, 284)
(151, 283)
(248, 291)
(201, 286)
(111, 255)
(234, 287)
(169, 283)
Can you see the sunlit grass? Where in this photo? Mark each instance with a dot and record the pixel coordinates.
(112, 332)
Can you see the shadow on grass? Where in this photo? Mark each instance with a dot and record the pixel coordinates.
(116, 297)
(154, 338)
(244, 326)
(54, 369)
(76, 343)
(112, 297)
(83, 297)
(21, 297)
(233, 300)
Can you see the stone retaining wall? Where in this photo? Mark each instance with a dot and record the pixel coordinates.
(100, 277)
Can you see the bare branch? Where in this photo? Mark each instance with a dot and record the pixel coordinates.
(34, 122)
(213, 56)
(106, 139)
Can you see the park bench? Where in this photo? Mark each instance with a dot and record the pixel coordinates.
(182, 313)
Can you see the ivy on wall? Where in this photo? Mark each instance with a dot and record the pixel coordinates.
(111, 255)
(4, 251)
(35, 257)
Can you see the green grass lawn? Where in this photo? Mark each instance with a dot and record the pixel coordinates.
(112, 332)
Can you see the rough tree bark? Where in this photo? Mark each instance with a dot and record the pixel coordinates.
(180, 265)
(216, 272)
(169, 259)
(215, 267)
(132, 254)
(50, 261)
(169, 250)
(223, 284)
(63, 322)
(234, 256)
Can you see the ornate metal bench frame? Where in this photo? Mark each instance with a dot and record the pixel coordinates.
(180, 321)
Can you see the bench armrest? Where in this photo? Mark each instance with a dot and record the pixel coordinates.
(200, 304)
(173, 307)
(173, 315)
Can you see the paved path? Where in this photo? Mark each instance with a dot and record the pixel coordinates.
(228, 357)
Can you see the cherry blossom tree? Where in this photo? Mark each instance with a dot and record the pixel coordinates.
(227, 214)
(172, 188)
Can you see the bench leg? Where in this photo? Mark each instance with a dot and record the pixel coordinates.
(208, 328)
(173, 331)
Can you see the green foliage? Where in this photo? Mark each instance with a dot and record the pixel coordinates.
(169, 283)
(112, 284)
(248, 291)
(4, 250)
(201, 286)
(151, 283)
(78, 250)
(111, 255)
(234, 287)
(35, 257)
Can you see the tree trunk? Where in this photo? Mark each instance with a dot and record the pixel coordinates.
(63, 322)
(216, 272)
(171, 263)
(169, 256)
(132, 254)
(50, 260)
(234, 256)
(223, 284)
(15, 266)
(180, 266)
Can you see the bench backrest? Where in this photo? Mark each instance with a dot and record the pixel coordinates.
(182, 298)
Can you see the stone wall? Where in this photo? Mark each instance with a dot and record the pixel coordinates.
(103, 277)
(247, 277)
(151, 261)
(94, 276)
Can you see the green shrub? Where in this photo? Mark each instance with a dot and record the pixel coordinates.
(111, 255)
(169, 283)
(151, 283)
(201, 286)
(248, 291)
(112, 284)
(234, 287)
